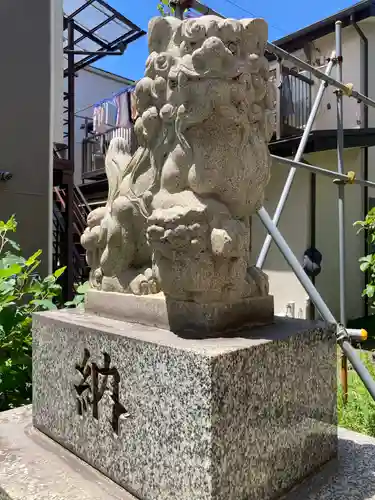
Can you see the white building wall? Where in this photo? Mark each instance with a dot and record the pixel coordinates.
(351, 69)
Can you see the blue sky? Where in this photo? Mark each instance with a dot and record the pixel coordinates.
(283, 17)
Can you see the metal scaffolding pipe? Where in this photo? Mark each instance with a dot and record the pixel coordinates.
(340, 169)
(298, 156)
(318, 301)
(341, 205)
(319, 170)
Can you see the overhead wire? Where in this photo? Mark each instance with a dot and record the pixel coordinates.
(246, 11)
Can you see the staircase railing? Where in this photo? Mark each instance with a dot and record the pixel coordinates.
(81, 210)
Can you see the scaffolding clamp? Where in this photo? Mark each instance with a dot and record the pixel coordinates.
(342, 333)
(348, 89)
(350, 178)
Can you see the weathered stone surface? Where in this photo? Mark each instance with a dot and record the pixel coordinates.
(177, 215)
(33, 467)
(188, 319)
(167, 417)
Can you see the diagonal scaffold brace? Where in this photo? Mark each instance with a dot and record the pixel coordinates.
(344, 336)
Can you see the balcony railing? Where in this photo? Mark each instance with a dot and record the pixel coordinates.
(293, 101)
(94, 149)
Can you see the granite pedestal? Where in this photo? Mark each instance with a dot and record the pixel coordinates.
(33, 467)
(170, 418)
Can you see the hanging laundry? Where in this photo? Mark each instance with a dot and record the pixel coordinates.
(287, 101)
(97, 119)
(110, 114)
(133, 107)
(123, 111)
(103, 114)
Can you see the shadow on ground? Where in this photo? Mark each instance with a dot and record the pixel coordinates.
(350, 477)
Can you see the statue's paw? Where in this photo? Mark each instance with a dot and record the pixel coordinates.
(96, 278)
(90, 238)
(259, 278)
(144, 284)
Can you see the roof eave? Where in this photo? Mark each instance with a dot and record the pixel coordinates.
(300, 38)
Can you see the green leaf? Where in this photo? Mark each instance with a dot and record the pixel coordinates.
(31, 260)
(59, 272)
(83, 288)
(14, 245)
(44, 304)
(10, 225)
(49, 279)
(54, 289)
(10, 271)
(364, 266)
(10, 259)
(35, 287)
(78, 299)
(7, 287)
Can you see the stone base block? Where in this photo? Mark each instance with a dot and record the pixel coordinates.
(170, 418)
(33, 467)
(187, 319)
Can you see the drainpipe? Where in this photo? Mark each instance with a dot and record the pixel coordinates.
(365, 66)
(312, 230)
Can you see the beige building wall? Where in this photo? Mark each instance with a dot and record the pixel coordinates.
(294, 226)
(368, 27)
(295, 219)
(27, 120)
(327, 233)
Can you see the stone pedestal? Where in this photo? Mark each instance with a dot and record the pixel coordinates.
(169, 418)
(186, 319)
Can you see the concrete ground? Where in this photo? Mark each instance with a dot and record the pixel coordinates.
(33, 467)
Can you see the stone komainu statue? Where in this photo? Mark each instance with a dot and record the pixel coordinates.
(177, 215)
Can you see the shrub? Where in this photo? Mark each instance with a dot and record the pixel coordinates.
(22, 292)
(367, 263)
(358, 414)
(79, 297)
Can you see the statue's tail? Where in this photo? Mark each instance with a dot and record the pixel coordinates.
(116, 162)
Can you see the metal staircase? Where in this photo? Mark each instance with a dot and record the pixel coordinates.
(80, 213)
